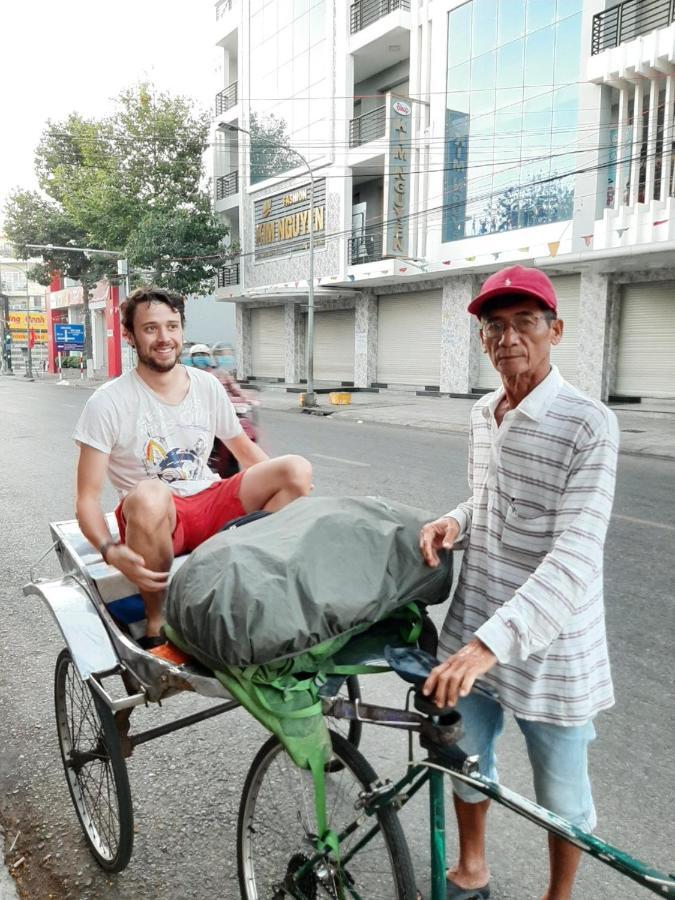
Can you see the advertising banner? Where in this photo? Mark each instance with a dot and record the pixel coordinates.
(282, 221)
(397, 190)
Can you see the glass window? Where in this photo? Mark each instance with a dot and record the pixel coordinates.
(508, 128)
(459, 34)
(269, 22)
(510, 65)
(317, 68)
(483, 73)
(540, 13)
(300, 35)
(458, 88)
(537, 126)
(511, 21)
(567, 49)
(539, 60)
(301, 72)
(570, 7)
(484, 26)
(317, 24)
(300, 7)
(564, 122)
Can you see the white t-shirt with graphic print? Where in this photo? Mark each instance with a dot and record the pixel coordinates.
(146, 437)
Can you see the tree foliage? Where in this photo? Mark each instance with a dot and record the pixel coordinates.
(110, 182)
(270, 151)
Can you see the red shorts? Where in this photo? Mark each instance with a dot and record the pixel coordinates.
(200, 516)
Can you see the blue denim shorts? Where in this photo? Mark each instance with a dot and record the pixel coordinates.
(558, 755)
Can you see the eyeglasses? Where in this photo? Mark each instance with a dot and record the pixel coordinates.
(527, 323)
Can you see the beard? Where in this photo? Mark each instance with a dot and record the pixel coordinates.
(155, 365)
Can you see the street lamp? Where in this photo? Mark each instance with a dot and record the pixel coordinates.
(310, 397)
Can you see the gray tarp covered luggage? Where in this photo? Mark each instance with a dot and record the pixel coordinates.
(314, 570)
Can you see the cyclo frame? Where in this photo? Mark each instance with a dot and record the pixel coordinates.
(439, 735)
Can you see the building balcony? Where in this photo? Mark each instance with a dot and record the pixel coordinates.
(365, 246)
(629, 20)
(227, 185)
(226, 99)
(228, 275)
(368, 127)
(365, 12)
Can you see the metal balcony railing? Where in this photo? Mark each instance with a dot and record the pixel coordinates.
(368, 127)
(365, 247)
(226, 99)
(227, 185)
(365, 12)
(629, 20)
(228, 275)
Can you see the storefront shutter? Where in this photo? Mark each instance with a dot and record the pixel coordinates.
(268, 342)
(409, 338)
(334, 345)
(646, 352)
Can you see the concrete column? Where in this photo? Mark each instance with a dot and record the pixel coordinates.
(294, 332)
(365, 339)
(651, 139)
(638, 106)
(243, 341)
(667, 153)
(594, 335)
(623, 150)
(460, 344)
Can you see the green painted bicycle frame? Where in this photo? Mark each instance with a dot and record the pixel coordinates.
(433, 772)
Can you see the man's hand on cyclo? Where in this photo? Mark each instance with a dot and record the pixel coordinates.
(442, 533)
(132, 566)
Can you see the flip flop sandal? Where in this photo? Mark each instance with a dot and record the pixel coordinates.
(455, 892)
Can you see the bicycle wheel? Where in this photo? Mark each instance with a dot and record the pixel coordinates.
(276, 829)
(95, 769)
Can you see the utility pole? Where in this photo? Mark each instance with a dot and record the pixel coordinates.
(310, 396)
(6, 335)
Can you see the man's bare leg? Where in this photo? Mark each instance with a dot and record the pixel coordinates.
(275, 483)
(472, 869)
(150, 517)
(564, 861)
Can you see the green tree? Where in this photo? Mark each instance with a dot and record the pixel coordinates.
(270, 151)
(132, 181)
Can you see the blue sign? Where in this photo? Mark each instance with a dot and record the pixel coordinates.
(69, 337)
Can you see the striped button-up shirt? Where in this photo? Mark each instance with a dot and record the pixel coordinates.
(530, 585)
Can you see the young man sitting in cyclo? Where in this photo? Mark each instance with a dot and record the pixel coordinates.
(151, 431)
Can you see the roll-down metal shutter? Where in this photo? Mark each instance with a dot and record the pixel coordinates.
(646, 353)
(409, 338)
(268, 342)
(564, 356)
(334, 345)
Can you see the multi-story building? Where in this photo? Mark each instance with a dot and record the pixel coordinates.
(22, 307)
(446, 139)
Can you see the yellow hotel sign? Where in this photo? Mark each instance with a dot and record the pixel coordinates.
(282, 221)
(18, 329)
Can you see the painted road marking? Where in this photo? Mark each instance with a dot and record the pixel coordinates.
(645, 522)
(347, 462)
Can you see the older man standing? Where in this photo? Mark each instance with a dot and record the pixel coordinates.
(526, 631)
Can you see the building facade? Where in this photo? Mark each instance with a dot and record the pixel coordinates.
(445, 140)
(22, 310)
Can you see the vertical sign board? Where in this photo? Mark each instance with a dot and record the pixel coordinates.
(456, 166)
(398, 190)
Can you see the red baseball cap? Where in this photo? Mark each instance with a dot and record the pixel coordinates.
(516, 280)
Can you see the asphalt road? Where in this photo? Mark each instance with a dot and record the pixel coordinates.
(186, 786)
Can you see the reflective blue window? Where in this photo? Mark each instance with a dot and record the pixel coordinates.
(512, 101)
(484, 26)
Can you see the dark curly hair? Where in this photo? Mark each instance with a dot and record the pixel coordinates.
(148, 295)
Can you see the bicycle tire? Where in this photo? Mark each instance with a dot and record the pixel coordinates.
(92, 756)
(274, 843)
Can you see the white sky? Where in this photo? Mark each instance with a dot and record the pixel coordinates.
(76, 55)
